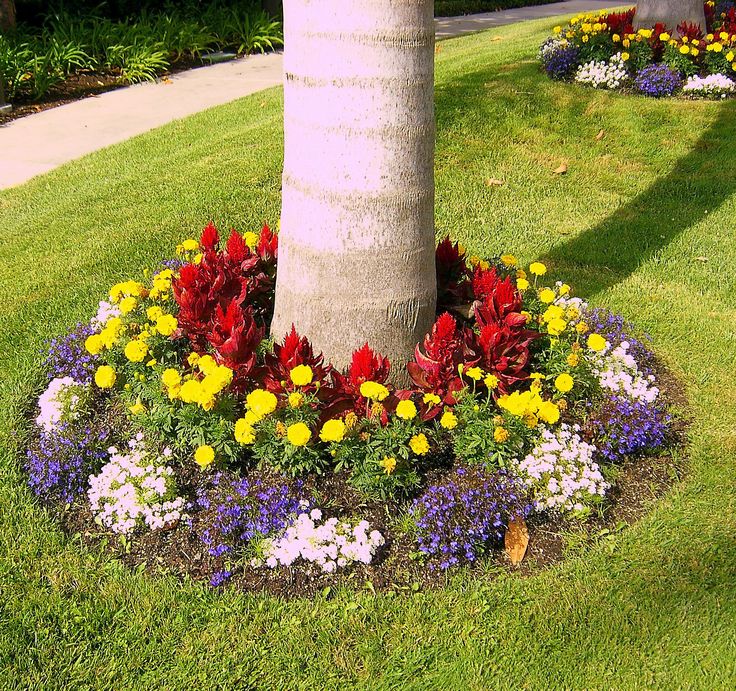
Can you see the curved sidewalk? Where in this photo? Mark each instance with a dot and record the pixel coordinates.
(41, 142)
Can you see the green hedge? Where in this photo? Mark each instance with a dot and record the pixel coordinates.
(452, 8)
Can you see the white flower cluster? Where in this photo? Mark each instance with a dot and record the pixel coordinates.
(713, 86)
(561, 474)
(617, 371)
(332, 544)
(134, 489)
(60, 402)
(105, 312)
(602, 74)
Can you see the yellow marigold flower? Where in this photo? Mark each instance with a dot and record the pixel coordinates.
(137, 408)
(572, 312)
(547, 295)
(376, 409)
(190, 245)
(500, 435)
(448, 420)
(553, 312)
(301, 375)
(166, 324)
(556, 29)
(461, 249)
(475, 373)
(626, 43)
(351, 420)
(93, 344)
(694, 52)
(581, 327)
(520, 273)
(573, 359)
(193, 359)
(171, 378)
(530, 419)
(615, 38)
(556, 327)
(522, 283)
(526, 315)
(244, 432)
(596, 342)
(484, 265)
(190, 391)
(419, 444)
(197, 258)
(373, 390)
(298, 434)
(295, 399)
(105, 377)
(491, 381)
(723, 35)
(564, 289)
(729, 55)
(684, 49)
(695, 42)
(128, 304)
(537, 268)
(333, 431)
(508, 260)
(431, 399)
(136, 351)
(280, 429)
(261, 402)
(153, 313)
(206, 364)
(548, 412)
(388, 463)
(564, 382)
(204, 456)
(585, 39)
(625, 56)
(645, 33)
(717, 48)
(474, 260)
(406, 410)
(250, 239)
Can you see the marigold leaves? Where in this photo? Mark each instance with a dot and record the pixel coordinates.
(494, 182)
(561, 170)
(516, 540)
(600, 135)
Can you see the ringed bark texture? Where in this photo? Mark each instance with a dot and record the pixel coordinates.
(671, 13)
(356, 247)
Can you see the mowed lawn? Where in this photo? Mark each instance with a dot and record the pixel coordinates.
(643, 222)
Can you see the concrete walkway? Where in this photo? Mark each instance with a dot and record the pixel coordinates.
(43, 141)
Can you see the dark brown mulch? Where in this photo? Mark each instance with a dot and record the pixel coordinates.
(78, 86)
(180, 552)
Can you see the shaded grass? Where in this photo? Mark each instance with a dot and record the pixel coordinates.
(631, 223)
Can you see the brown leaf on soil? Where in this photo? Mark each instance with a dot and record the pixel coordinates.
(600, 135)
(561, 170)
(516, 540)
(465, 311)
(494, 182)
(701, 259)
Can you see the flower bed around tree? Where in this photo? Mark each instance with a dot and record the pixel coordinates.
(172, 421)
(603, 51)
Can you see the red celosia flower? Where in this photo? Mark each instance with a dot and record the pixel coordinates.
(235, 338)
(496, 299)
(620, 22)
(505, 352)
(364, 366)
(445, 347)
(295, 350)
(453, 287)
(690, 30)
(268, 245)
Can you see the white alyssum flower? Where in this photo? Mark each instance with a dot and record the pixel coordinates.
(332, 544)
(561, 473)
(105, 312)
(60, 402)
(618, 372)
(135, 489)
(712, 86)
(602, 74)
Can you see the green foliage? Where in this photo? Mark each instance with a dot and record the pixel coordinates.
(677, 61)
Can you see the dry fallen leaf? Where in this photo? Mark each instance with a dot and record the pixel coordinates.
(166, 80)
(701, 259)
(497, 38)
(561, 170)
(494, 182)
(516, 540)
(465, 311)
(437, 49)
(600, 135)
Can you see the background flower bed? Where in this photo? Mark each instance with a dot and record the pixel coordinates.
(488, 432)
(604, 51)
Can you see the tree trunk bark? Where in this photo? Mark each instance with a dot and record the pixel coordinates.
(356, 248)
(273, 7)
(671, 13)
(7, 15)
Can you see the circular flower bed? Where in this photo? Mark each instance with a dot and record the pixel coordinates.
(604, 51)
(173, 422)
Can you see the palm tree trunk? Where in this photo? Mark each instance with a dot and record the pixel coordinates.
(356, 249)
(7, 15)
(671, 13)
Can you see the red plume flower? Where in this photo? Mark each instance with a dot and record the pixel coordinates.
(295, 350)
(453, 287)
(235, 338)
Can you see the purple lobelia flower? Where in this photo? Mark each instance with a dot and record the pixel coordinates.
(241, 509)
(559, 60)
(60, 464)
(624, 427)
(617, 330)
(67, 356)
(657, 80)
(457, 518)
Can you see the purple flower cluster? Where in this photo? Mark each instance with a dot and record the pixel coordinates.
(457, 519)
(561, 62)
(60, 464)
(240, 509)
(617, 330)
(67, 356)
(220, 578)
(623, 427)
(657, 80)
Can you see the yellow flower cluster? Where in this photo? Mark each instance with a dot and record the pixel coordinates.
(530, 407)
(373, 391)
(200, 388)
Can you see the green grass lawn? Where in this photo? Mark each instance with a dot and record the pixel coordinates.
(643, 223)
